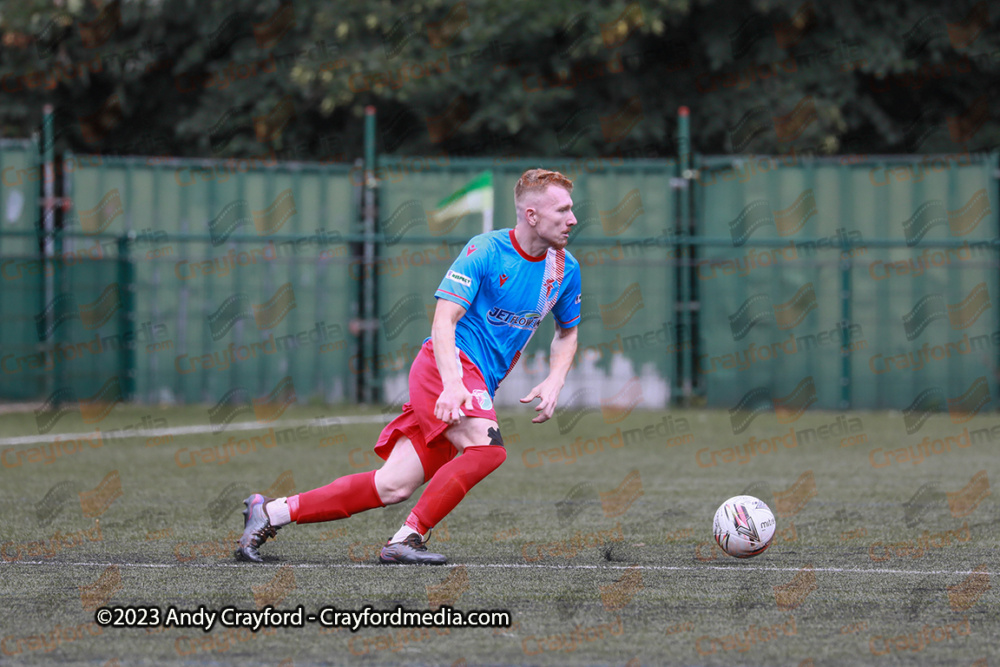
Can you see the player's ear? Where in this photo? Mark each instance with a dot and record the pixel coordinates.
(531, 215)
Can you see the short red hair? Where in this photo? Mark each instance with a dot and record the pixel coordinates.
(536, 180)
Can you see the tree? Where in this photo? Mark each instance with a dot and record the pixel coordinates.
(485, 77)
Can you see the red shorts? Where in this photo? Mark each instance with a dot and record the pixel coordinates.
(418, 422)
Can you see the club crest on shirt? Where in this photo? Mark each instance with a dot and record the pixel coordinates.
(483, 398)
(548, 286)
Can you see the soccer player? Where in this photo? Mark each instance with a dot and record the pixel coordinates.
(489, 304)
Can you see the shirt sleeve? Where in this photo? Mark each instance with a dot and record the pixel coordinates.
(461, 283)
(567, 308)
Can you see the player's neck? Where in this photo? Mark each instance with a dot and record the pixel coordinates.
(530, 243)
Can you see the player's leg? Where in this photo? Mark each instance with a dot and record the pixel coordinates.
(400, 475)
(449, 477)
(407, 546)
(482, 451)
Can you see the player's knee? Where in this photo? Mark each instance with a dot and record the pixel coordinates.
(393, 495)
(393, 491)
(395, 498)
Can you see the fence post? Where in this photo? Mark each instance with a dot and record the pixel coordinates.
(369, 303)
(684, 257)
(49, 253)
(846, 264)
(993, 165)
(59, 264)
(126, 323)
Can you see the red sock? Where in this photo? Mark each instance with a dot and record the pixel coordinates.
(451, 482)
(337, 500)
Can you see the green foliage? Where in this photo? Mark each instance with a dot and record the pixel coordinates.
(484, 77)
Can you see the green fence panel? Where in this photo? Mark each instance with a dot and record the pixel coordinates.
(931, 301)
(22, 362)
(768, 305)
(624, 214)
(23, 274)
(807, 262)
(936, 335)
(70, 345)
(242, 273)
(20, 178)
(90, 347)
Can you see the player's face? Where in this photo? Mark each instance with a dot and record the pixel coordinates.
(555, 218)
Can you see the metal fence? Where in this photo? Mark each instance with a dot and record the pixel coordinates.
(821, 282)
(847, 273)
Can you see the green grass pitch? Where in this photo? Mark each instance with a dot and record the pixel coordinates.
(595, 534)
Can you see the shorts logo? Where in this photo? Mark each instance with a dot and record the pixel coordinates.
(459, 278)
(483, 398)
(528, 320)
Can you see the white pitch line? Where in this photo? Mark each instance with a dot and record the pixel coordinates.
(194, 430)
(516, 566)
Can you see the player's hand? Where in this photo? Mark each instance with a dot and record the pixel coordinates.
(549, 393)
(449, 404)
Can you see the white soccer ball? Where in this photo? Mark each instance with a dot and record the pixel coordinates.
(744, 526)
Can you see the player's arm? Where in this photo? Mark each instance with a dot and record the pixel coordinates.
(454, 395)
(561, 354)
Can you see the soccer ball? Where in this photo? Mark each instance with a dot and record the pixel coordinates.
(744, 526)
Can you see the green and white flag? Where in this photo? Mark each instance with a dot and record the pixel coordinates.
(476, 196)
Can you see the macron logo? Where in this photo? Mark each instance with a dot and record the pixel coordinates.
(456, 277)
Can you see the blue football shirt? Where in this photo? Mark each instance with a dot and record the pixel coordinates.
(506, 293)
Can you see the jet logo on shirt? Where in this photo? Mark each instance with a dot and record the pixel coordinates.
(528, 319)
